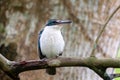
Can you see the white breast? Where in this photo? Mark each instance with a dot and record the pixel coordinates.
(52, 43)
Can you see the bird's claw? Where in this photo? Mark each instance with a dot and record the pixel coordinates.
(44, 59)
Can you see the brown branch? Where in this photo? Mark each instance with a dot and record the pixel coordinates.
(5, 65)
(98, 65)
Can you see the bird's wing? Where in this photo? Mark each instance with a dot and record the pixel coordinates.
(39, 48)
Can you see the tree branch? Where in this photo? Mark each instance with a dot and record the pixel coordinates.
(5, 65)
(98, 65)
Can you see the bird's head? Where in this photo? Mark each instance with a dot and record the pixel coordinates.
(57, 24)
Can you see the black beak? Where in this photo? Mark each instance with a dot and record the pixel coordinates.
(64, 21)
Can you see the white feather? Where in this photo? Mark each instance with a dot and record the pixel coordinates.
(52, 43)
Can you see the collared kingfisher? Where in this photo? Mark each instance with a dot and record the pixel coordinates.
(50, 41)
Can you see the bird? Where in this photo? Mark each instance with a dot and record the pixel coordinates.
(50, 41)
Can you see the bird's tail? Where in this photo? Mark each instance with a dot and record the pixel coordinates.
(51, 71)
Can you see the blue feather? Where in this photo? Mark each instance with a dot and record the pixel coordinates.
(39, 48)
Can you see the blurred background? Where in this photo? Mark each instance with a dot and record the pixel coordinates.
(21, 20)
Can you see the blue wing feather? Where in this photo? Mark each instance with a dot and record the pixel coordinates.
(39, 48)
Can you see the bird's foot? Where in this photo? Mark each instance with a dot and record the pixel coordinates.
(44, 59)
(60, 54)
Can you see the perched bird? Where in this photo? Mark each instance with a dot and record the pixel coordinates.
(50, 41)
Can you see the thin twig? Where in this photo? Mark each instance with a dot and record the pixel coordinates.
(102, 30)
